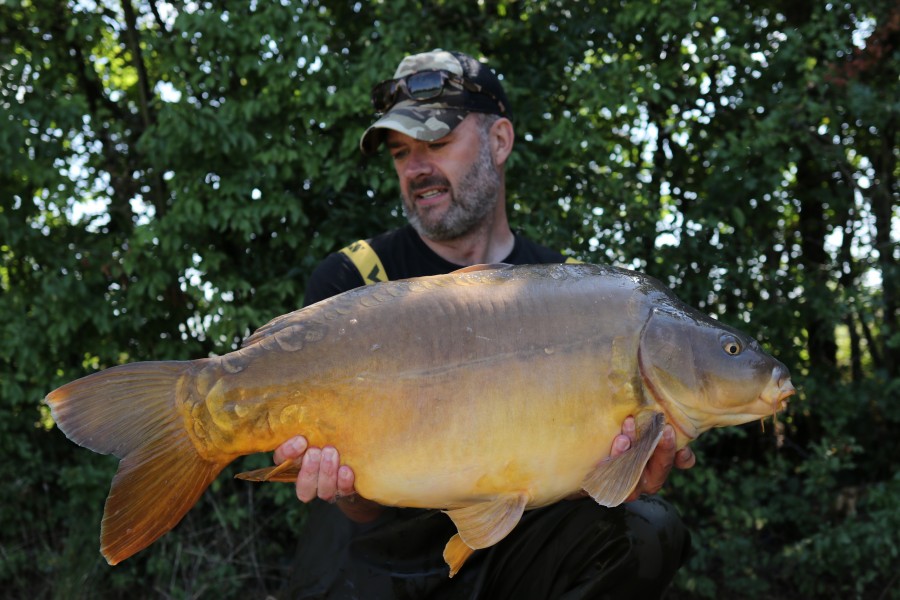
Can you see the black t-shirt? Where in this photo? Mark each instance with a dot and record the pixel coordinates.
(403, 254)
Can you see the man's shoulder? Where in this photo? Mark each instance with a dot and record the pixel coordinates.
(338, 272)
(334, 275)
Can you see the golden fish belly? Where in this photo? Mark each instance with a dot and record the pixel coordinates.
(541, 455)
(448, 436)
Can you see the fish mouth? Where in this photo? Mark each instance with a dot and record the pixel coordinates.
(785, 391)
(785, 388)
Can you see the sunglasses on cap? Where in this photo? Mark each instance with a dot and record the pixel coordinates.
(424, 85)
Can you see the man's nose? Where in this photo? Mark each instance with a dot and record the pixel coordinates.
(417, 165)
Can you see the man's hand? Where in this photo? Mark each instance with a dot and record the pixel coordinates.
(661, 461)
(322, 476)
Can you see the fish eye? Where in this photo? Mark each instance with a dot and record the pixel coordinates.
(731, 345)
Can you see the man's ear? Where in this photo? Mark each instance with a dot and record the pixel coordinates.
(502, 136)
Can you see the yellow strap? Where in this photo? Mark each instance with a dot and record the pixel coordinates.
(369, 265)
(366, 261)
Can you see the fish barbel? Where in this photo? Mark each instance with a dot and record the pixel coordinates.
(485, 392)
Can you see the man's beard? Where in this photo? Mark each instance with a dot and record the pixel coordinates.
(470, 204)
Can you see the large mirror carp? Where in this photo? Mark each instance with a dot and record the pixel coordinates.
(485, 392)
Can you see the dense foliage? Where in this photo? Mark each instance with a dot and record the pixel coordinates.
(170, 172)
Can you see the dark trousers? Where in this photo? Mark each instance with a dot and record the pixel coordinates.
(572, 549)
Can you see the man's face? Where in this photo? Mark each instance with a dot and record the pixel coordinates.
(448, 186)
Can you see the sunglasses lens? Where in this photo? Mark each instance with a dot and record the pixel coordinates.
(383, 95)
(423, 86)
(419, 86)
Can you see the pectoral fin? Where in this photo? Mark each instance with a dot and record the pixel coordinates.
(613, 479)
(482, 525)
(286, 472)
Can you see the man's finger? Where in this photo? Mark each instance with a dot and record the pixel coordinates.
(667, 441)
(621, 445)
(291, 449)
(629, 428)
(328, 468)
(661, 461)
(308, 479)
(685, 458)
(346, 482)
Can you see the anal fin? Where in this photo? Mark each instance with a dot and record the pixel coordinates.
(486, 523)
(611, 481)
(482, 525)
(456, 553)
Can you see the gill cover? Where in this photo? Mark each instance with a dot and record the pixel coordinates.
(701, 371)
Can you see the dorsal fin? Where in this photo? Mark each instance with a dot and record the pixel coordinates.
(485, 267)
(270, 328)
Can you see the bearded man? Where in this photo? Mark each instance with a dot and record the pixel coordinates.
(447, 125)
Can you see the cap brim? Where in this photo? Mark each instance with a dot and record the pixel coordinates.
(425, 122)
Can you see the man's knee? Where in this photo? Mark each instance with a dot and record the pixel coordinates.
(658, 537)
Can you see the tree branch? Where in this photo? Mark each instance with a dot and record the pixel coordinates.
(133, 41)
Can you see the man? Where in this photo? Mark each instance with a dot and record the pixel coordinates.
(447, 125)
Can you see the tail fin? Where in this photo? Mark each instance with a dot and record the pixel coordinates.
(130, 411)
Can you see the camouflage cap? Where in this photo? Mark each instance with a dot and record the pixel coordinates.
(432, 119)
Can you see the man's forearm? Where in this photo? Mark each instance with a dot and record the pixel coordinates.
(358, 509)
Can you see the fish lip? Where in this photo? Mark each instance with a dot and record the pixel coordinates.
(786, 389)
(783, 389)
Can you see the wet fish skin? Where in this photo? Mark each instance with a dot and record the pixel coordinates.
(484, 392)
